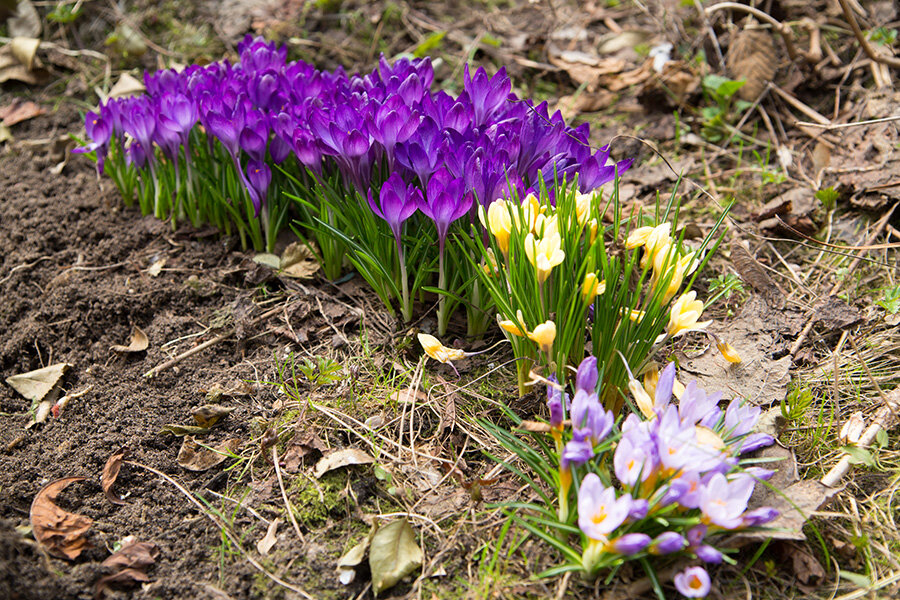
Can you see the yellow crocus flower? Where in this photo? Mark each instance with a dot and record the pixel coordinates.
(685, 315)
(592, 287)
(584, 205)
(439, 352)
(544, 335)
(516, 328)
(728, 351)
(499, 223)
(544, 254)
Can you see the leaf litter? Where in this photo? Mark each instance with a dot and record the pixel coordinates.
(60, 532)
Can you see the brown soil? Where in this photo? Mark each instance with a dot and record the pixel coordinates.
(73, 284)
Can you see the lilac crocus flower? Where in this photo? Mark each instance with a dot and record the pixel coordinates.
(577, 451)
(586, 376)
(693, 582)
(759, 516)
(667, 543)
(633, 461)
(639, 509)
(589, 419)
(708, 554)
(695, 404)
(755, 441)
(599, 511)
(557, 402)
(740, 417)
(630, 543)
(723, 503)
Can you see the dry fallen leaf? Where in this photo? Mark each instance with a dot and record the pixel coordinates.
(209, 415)
(111, 473)
(18, 61)
(25, 20)
(60, 532)
(139, 342)
(194, 457)
(342, 458)
(393, 554)
(127, 86)
(36, 384)
(298, 261)
(351, 559)
(137, 555)
(752, 57)
(265, 544)
(408, 396)
(125, 576)
(19, 111)
(156, 268)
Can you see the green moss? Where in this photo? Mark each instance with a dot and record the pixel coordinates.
(315, 501)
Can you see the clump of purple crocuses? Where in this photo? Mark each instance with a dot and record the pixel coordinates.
(243, 146)
(659, 486)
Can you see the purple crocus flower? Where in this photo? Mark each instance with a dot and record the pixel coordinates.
(396, 203)
(693, 582)
(723, 503)
(595, 172)
(393, 122)
(259, 176)
(255, 135)
(586, 376)
(589, 419)
(599, 511)
(633, 461)
(486, 95)
(99, 130)
(755, 441)
(445, 202)
(740, 417)
(667, 543)
(630, 543)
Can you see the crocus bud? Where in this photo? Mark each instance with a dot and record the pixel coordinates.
(586, 377)
(630, 543)
(728, 351)
(667, 543)
(708, 554)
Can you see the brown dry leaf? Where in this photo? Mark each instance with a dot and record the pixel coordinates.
(111, 473)
(758, 334)
(180, 430)
(139, 342)
(137, 555)
(833, 314)
(408, 396)
(20, 111)
(125, 576)
(753, 273)
(752, 57)
(36, 384)
(209, 415)
(585, 68)
(342, 458)
(127, 86)
(299, 448)
(298, 261)
(194, 457)
(60, 532)
(615, 83)
(574, 105)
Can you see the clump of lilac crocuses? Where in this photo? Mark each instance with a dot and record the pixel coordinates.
(658, 485)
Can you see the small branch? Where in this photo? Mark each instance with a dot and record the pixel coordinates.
(884, 420)
(863, 42)
(287, 503)
(207, 344)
